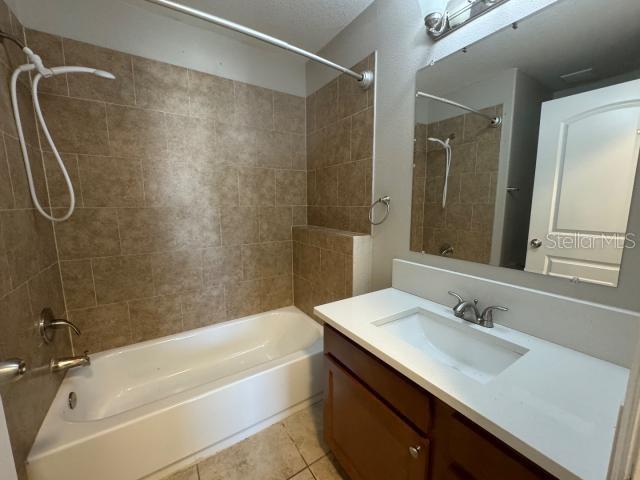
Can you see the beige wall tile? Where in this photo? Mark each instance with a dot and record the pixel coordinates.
(146, 312)
(465, 155)
(89, 232)
(359, 220)
(18, 177)
(177, 272)
(118, 91)
(458, 217)
(160, 86)
(291, 187)
(77, 279)
(289, 113)
(488, 156)
(7, 123)
(122, 278)
(267, 260)
(303, 294)
(299, 215)
(332, 272)
(28, 243)
(275, 149)
(58, 192)
(326, 105)
(237, 145)
(5, 271)
(254, 106)
(111, 181)
(310, 102)
(276, 292)
(211, 96)
(306, 260)
(221, 265)
(475, 188)
(203, 308)
(191, 138)
(136, 133)
(239, 225)
(338, 148)
(275, 224)
(327, 186)
(77, 126)
(6, 190)
(352, 183)
(103, 327)
(362, 135)
(257, 187)
(242, 298)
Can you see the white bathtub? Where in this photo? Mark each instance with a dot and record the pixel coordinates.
(147, 409)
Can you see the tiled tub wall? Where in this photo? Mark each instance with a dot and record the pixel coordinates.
(466, 222)
(188, 185)
(29, 273)
(329, 265)
(340, 153)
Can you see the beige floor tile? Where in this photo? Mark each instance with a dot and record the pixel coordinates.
(306, 430)
(327, 468)
(303, 475)
(268, 455)
(190, 473)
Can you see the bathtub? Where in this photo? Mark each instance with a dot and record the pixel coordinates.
(146, 410)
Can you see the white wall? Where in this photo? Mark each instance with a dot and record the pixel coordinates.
(395, 29)
(7, 467)
(122, 26)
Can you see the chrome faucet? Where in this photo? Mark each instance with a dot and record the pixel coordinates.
(484, 319)
(65, 363)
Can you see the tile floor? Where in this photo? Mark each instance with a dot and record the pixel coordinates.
(291, 449)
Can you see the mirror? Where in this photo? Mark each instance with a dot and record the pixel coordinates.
(526, 145)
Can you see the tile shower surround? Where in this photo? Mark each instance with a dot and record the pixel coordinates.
(340, 152)
(466, 222)
(188, 186)
(29, 272)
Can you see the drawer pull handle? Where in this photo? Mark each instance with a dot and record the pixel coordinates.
(415, 451)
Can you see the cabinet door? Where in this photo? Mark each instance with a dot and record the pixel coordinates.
(369, 440)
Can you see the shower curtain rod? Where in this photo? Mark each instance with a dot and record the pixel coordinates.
(495, 121)
(365, 79)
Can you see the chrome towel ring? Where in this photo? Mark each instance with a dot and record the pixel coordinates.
(386, 201)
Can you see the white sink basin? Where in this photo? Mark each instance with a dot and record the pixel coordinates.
(457, 344)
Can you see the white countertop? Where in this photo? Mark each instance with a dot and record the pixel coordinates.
(554, 405)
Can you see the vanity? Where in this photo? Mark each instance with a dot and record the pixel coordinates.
(413, 392)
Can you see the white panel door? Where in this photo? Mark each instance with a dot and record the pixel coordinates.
(587, 157)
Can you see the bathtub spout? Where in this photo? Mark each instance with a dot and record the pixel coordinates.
(65, 363)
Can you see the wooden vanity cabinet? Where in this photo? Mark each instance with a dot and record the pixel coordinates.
(382, 426)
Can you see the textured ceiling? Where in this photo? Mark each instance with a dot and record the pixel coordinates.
(309, 24)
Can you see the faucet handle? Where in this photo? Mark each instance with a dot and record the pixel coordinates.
(487, 315)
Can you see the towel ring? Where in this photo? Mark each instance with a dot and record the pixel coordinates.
(386, 200)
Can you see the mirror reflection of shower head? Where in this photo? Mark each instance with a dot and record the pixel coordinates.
(44, 72)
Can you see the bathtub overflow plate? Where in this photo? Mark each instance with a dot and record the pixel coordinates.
(73, 400)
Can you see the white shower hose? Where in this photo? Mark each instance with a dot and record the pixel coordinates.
(447, 147)
(23, 144)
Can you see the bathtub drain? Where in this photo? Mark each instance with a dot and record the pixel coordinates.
(73, 400)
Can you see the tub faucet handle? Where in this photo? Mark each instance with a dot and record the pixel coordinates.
(48, 324)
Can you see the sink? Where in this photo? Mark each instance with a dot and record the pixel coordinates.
(456, 343)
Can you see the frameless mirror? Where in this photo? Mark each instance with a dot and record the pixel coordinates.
(526, 145)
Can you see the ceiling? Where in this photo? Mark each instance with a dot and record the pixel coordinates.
(309, 24)
(567, 37)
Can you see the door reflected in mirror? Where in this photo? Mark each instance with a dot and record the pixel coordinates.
(526, 146)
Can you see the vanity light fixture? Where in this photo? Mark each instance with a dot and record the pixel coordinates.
(444, 16)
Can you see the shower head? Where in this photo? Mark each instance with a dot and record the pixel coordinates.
(104, 74)
(91, 71)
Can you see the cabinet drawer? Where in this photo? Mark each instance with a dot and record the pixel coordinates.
(475, 454)
(405, 397)
(369, 440)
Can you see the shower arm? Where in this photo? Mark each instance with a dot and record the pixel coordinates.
(365, 79)
(495, 121)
